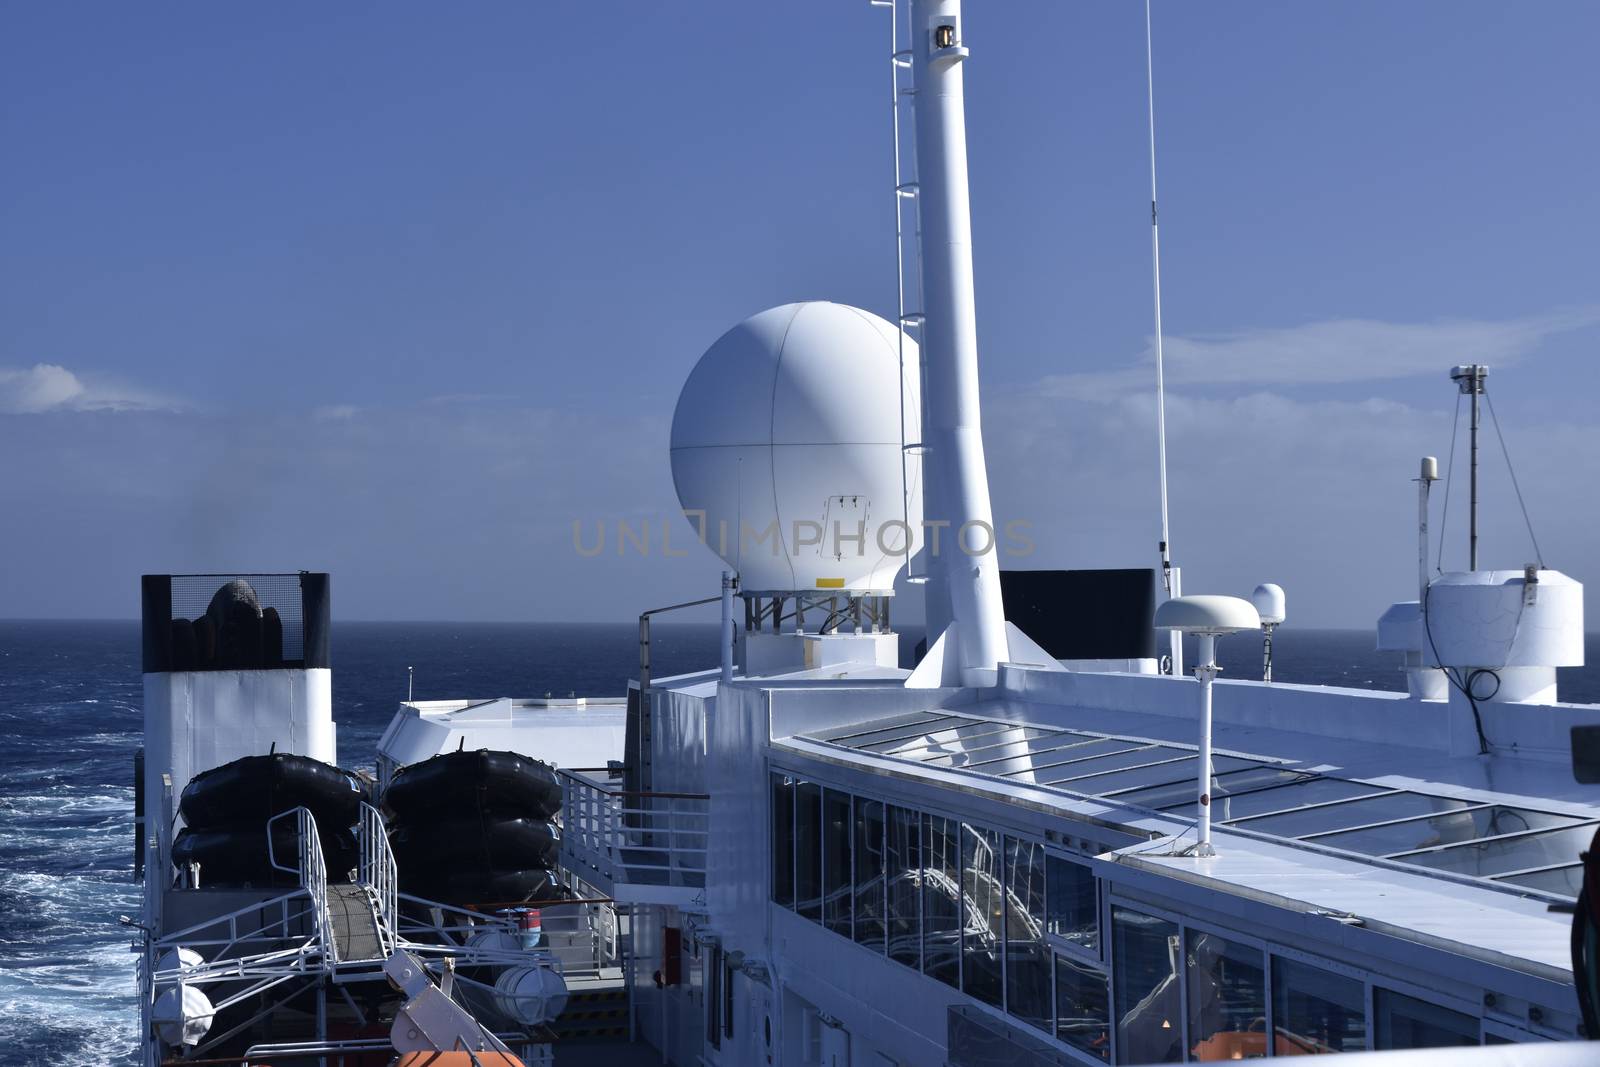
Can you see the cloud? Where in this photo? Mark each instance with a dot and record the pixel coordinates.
(46, 387)
(1329, 352)
(1314, 492)
(335, 413)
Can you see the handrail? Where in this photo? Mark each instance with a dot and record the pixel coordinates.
(313, 873)
(630, 836)
(378, 871)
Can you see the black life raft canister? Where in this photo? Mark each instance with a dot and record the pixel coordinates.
(253, 789)
(503, 784)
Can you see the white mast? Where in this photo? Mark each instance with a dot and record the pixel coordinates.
(1171, 577)
(956, 482)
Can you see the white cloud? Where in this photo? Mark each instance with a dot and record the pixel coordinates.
(46, 387)
(335, 413)
(1321, 353)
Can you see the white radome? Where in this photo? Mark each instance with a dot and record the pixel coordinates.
(790, 427)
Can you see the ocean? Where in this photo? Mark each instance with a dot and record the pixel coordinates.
(71, 711)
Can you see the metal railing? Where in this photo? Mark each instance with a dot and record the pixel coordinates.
(312, 871)
(378, 872)
(633, 838)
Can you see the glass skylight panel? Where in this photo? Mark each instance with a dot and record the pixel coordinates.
(1084, 753)
(913, 734)
(1431, 831)
(1065, 748)
(1179, 793)
(950, 736)
(1184, 773)
(1500, 855)
(1131, 757)
(989, 746)
(1293, 796)
(1352, 814)
(1563, 881)
(1051, 742)
(857, 734)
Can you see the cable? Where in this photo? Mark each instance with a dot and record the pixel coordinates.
(1537, 554)
(1464, 688)
(1449, 477)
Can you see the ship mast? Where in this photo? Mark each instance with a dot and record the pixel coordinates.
(956, 481)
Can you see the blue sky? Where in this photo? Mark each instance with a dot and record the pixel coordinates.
(399, 291)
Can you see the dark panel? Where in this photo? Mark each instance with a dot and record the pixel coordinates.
(870, 900)
(1084, 614)
(316, 603)
(782, 837)
(837, 887)
(156, 608)
(808, 851)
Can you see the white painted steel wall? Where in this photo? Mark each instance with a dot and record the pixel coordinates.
(197, 720)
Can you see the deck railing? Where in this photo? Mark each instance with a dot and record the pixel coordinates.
(312, 871)
(378, 872)
(616, 837)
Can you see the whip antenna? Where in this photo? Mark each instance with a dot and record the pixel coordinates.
(1170, 577)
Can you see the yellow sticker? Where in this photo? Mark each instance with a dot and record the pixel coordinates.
(830, 583)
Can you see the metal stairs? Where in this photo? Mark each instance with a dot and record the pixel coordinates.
(354, 923)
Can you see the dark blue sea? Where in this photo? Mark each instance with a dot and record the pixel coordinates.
(71, 716)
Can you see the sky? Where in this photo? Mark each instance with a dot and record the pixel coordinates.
(400, 291)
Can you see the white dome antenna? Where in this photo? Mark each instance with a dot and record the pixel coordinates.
(786, 451)
(1269, 603)
(1208, 618)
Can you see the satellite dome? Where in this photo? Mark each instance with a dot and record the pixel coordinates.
(787, 437)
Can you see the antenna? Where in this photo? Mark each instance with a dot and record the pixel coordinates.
(1470, 379)
(1170, 576)
(411, 673)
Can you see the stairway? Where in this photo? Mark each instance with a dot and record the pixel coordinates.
(355, 925)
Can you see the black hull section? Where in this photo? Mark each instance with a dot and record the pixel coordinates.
(474, 784)
(255, 788)
(236, 856)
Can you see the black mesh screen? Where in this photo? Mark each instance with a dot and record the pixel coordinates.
(198, 622)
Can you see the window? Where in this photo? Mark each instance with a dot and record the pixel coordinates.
(713, 988)
(1406, 1022)
(1434, 831)
(903, 855)
(1563, 881)
(1507, 854)
(783, 840)
(808, 850)
(1317, 1010)
(1178, 794)
(1082, 1020)
(1144, 951)
(983, 899)
(1354, 813)
(1071, 909)
(941, 899)
(1227, 998)
(1288, 797)
(836, 882)
(1027, 957)
(869, 874)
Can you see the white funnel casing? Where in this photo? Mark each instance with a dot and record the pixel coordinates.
(216, 688)
(957, 489)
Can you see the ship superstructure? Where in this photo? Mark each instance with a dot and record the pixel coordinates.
(1041, 845)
